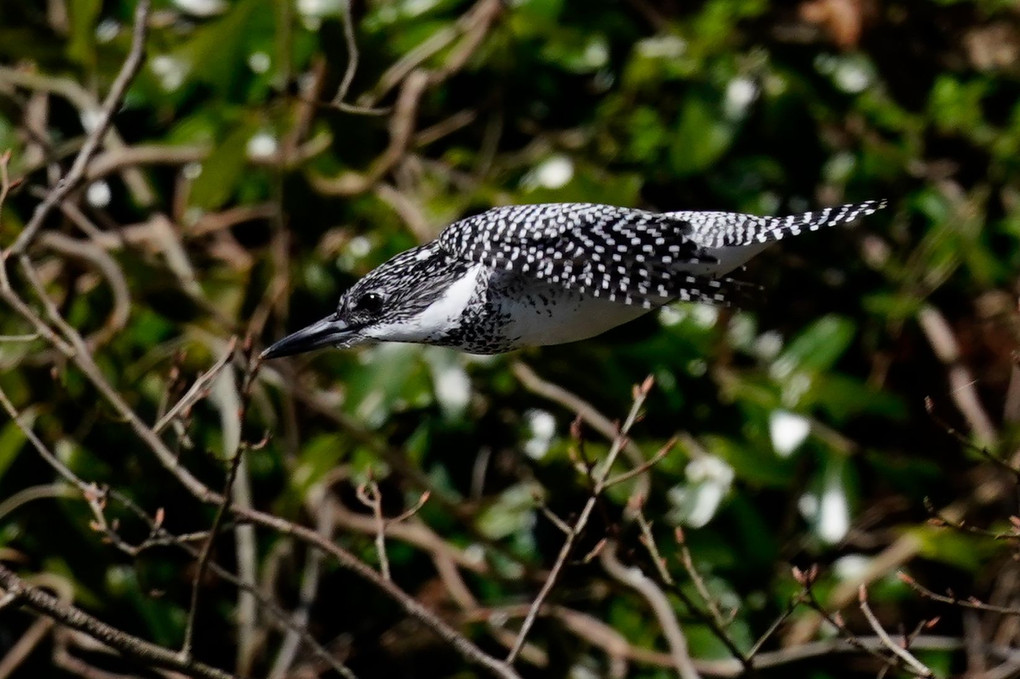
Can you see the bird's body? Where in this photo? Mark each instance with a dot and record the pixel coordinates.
(508, 311)
(532, 275)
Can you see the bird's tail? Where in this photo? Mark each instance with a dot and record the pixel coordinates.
(776, 228)
(727, 229)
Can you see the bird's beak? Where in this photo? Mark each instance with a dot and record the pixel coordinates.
(329, 331)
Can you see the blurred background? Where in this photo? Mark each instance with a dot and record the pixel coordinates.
(858, 415)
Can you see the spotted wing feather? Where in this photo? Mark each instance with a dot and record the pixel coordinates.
(620, 254)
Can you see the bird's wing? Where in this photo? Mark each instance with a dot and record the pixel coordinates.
(624, 255)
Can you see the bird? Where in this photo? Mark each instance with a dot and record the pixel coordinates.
(531, 275)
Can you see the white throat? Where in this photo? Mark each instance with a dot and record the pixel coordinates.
(437, 318)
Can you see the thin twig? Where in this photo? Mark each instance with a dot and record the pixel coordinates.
(221, 511)
(204, 555)
(966, 442)
(649, 541)
(407, 514)
(699, 582)
(902, 653)
(937, 519)
(587, 412)
(352, 53)
(714, 624)
(51, 459)
(307, 592)
(656, 598)
(128, 644)
(644, 466)
(371, 497)
(953, 600)
(549, 514)
(962, 387)
(600, 476)
(752, 654)
(836, 620)
(71, 180)
(199, 389)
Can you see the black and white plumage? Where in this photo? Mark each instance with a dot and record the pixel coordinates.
(530, 275)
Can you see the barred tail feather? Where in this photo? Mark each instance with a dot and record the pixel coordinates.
(734, 229)
(777, 228)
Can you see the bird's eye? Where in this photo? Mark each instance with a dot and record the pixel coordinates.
(370, 302)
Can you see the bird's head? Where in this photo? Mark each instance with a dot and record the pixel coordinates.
(390, 303)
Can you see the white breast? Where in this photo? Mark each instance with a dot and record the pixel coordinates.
(546, 314)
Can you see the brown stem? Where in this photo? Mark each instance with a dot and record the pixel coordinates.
(130, 645)
(76, 174)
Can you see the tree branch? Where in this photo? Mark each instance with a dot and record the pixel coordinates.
(75, 618)
(76, 174)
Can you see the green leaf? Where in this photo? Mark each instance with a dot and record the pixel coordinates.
(12, 441)
(395, 377)
(842, 397)
(315, 460)
(756, 465)
(218, 51)
(82, 15)
(817, 348)
(223, 169)
(963, 550)
(894, 306)
(702, 135)
(512, 513)
(543, 12)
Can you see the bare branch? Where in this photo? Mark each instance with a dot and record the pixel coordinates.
(76, 174)
(587, 412)
(113, 160)
(77, 352)
(198, 389)
(130, 645)
(402, 124)
(352, 54)
(307, 592)
(953, 600)
(474, 24)
(699, 582)
(371, 497)
(961, 382)
(656, 598)
(644, 466)
(902, 653)
(600, 476)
